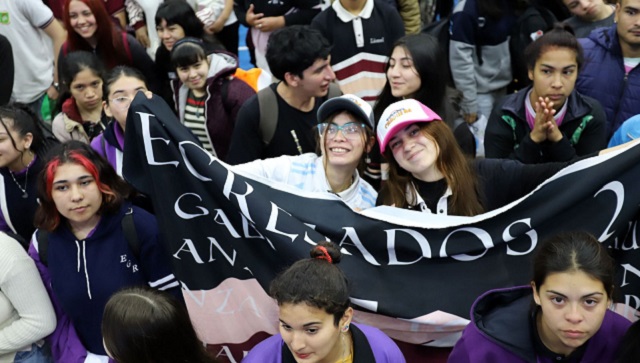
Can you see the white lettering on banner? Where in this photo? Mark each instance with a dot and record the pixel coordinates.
(222, 219)
(188, 164)
(533, 235)
(634, 239)
(147, 139)
(484, 237)
(184, 215)
(191, 249)
(226, 352)
(191, 293)
(618, 189)
(273, 221)
(351, 234)
(241, 198)
(214, 243)
(227, 309)
(425, 248)
(632, 301)
(245, 231)
(630, 268)
(195, 204)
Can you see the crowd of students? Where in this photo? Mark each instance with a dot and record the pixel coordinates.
(403, 134)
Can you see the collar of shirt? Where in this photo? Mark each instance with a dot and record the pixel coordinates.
(346, 16)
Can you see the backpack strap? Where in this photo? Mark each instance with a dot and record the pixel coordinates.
(512, 123)
(578, 132)
(128, 227)
(103, 146)
(268, 107)
(43, 246)
(130, 234)
(334, 90)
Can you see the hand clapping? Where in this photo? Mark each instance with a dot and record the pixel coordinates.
(545, 127)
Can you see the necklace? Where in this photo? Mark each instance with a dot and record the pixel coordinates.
(25, 195)
(199, 103)
(343, 358)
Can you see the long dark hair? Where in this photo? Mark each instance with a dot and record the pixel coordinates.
(561, 36)
(430, 62)
(315, 281)
(117, 73)
(451, 162)
(574, 251)
(114, 189)
(21, 119)
(179, 12)
(141, 324)
(76, 62)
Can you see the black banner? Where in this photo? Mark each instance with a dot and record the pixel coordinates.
(414, 275)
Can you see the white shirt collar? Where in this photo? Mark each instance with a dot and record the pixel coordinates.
(346, 16)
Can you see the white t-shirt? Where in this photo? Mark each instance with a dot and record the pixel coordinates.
(22, 21)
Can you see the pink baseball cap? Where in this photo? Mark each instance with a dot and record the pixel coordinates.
(399, 115)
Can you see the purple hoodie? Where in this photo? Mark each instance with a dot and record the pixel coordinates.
(369, 345)
(500, 331)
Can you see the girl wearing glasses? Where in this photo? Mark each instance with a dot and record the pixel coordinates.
(120, 87)
(345, 136)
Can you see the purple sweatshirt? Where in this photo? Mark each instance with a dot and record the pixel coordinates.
(369, 345)
(500, 331)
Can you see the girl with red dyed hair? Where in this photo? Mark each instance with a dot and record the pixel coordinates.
(89, 27)
(90, 243)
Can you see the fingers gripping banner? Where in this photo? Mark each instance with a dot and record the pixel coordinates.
(413, 275)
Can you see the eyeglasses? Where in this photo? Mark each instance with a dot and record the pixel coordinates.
(122, 101)
(350, 130)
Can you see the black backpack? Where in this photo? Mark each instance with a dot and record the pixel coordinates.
(533, 22)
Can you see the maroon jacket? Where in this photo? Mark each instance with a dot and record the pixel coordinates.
(225, 96)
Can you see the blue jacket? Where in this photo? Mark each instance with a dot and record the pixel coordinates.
(603, 77)
(501, 331)
(81, 275)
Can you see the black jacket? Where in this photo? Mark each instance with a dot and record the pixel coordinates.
(507, 133)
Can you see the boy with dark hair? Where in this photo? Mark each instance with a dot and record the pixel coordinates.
(611, 74)
(281, 119)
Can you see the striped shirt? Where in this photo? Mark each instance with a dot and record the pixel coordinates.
(195, 119)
